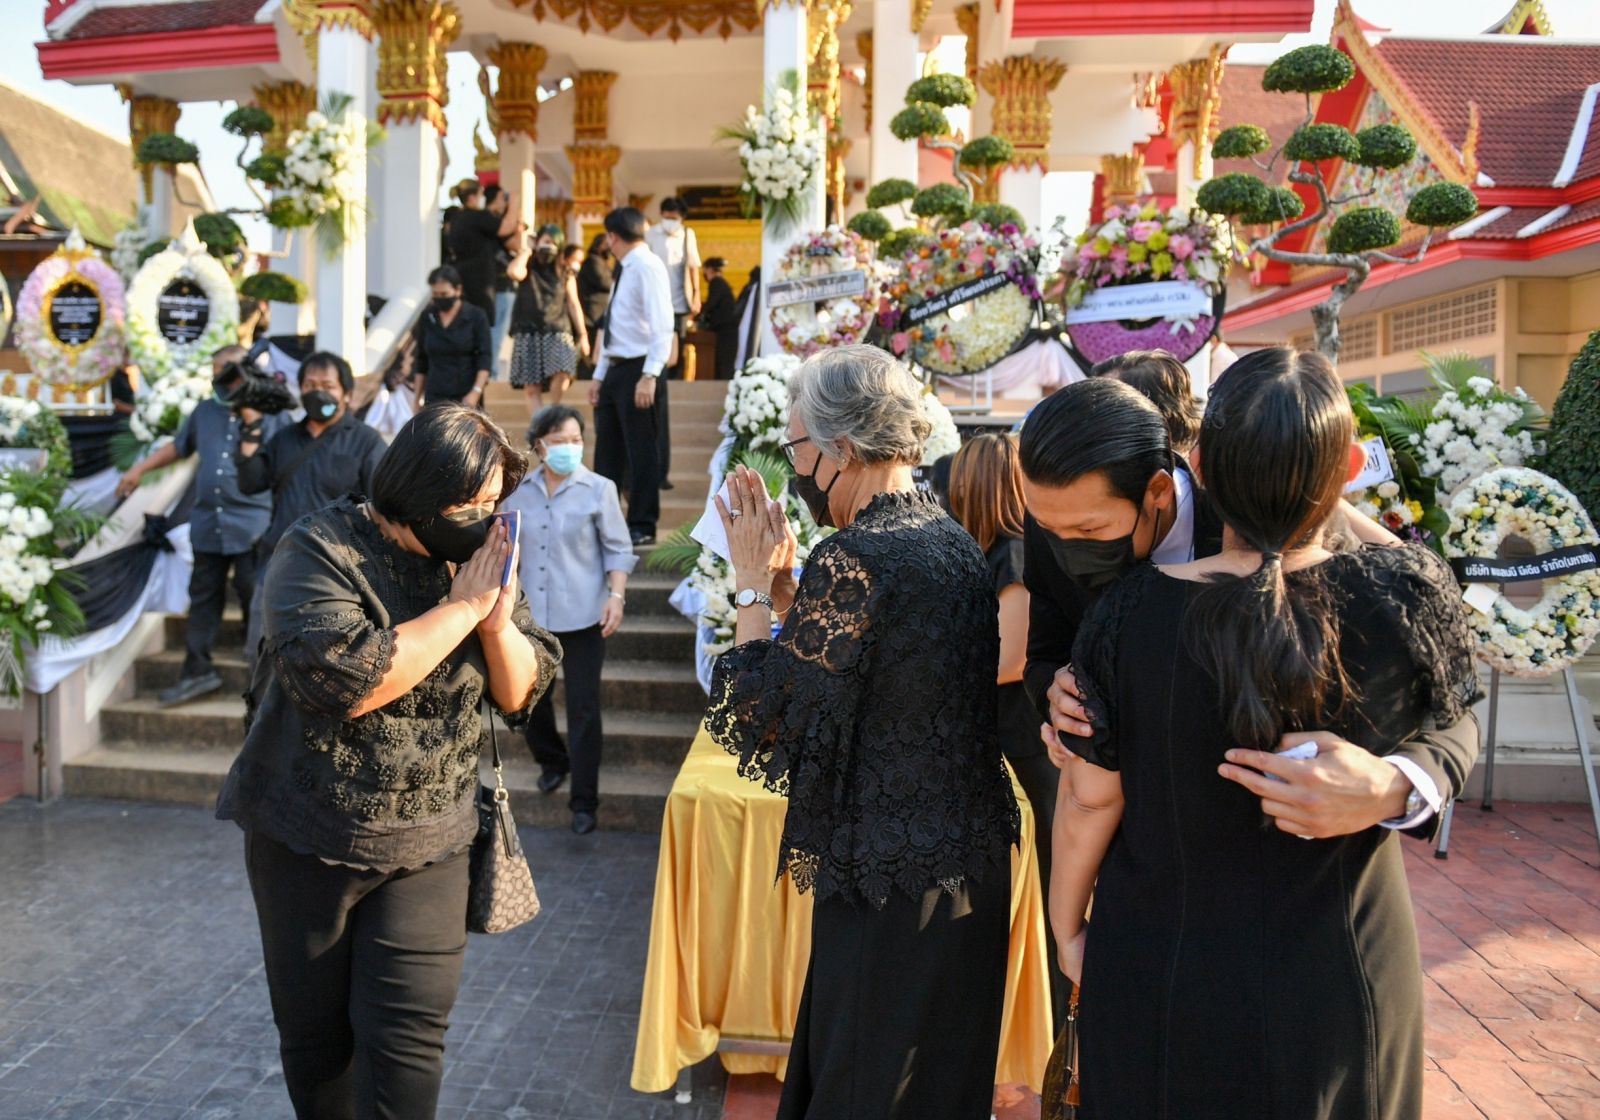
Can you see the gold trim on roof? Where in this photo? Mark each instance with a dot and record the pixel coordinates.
(413, 36)
(591, 114)
(1021, 87)
(355, 15)
(1124, 177)
(651, 16)
(920, 10)
(1521, 13)
(592, 188)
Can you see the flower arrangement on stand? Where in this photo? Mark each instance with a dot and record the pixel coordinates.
(315, 179)
(159, 412)
(184, 263)
(29, 424)
(782, 147)
(756, 408)
(74, 271)
(805, 328)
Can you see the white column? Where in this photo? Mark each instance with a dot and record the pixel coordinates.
(1188, 181)
(381, 277)
(1023, 187)
(342, 280)
(894, 67)
(158, 213)
(301, 263)
(783, 50)
(409, 222)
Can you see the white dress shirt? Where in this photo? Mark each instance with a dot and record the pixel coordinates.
(679, 251)
(639, 320)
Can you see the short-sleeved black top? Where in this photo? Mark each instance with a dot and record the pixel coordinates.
(1019, 719)
(874, 710)
(386, 790)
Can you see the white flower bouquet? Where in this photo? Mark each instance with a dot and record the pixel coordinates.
(781, 148)
(756, 408)
(318, 184)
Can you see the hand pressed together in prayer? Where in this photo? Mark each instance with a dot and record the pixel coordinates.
(761, 543)
(477, 582)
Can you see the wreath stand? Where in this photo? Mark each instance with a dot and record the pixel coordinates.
(1442, 850)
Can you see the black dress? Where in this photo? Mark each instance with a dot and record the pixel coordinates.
(473, 239)
(1233, 970)
(874, 711)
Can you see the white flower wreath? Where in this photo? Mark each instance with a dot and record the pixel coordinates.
(806, 328)
(156, 356)
(944, 439)
(71, 367)
(1517, 502)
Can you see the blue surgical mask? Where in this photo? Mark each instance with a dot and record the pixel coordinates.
(564, 458)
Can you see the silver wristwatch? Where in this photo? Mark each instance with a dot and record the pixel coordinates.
(1414, 803)
(749, 597)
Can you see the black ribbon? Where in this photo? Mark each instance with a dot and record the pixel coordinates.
(964, 292)
(1547, 565)
(109, 586)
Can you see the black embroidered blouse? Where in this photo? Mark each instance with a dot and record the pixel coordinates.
(874, 710)
(386, 790)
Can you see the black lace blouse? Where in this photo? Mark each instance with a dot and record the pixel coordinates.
(874, 710)
(386, 790)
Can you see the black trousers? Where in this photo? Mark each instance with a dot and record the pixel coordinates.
(680, 327)
(625, 442)
(208, 592)
(583, 654)
(363, 969)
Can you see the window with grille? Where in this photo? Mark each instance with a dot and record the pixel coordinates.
(1358, 340)
(1447, 319)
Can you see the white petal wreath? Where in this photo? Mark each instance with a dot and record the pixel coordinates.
(71, 367)
(157, 357)
(1556, 631)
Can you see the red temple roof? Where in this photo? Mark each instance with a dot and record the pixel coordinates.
(148, 19)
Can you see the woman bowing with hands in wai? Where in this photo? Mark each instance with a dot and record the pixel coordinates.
(874, 711)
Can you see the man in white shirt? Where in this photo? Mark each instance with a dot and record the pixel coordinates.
(634, 345)
(674, 242)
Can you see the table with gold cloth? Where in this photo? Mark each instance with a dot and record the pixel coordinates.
(728, 946)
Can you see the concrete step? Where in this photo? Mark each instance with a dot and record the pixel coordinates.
(632, 800)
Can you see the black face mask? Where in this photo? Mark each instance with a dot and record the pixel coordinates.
(1093, 564)
(443, 304)
(452, 540)
(814, 496)
(546, 253)
(320, 405)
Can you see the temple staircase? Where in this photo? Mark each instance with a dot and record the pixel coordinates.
(651, 701)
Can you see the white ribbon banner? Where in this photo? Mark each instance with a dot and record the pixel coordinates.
(816, 289)
(1376, 469)
(1165, 299)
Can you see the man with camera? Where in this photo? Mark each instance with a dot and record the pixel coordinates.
(226, 524)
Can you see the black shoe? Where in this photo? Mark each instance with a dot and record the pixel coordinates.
(583, 823)
(551, 780)
(640, 536)
(667, 484)
(189, 688)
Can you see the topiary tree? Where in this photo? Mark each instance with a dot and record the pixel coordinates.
(1573, 450)
(273, 287)
(1358, 236)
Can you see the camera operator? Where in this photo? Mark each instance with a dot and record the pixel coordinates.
(307, 465)
(226, 524)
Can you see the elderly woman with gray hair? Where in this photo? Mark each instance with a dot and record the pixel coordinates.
(874, 711)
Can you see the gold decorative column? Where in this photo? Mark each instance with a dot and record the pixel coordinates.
(826, 17)
(516, 97)
(356, 15)
(838, 149)
(591, 114)
(1021, 87)
(864, 45)
(592, 189)
(148, 116)
(967, 21)
(288, 102)
(1123, 177)
(1196, 105)
(920, 9)
(413, 36)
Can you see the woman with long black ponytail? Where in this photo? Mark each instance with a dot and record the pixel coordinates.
(1233, 968)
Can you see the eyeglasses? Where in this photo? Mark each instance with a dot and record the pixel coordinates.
(788, 448)
(469, 516)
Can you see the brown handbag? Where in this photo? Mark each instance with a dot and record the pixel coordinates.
(1059, 1101)
(501, 895)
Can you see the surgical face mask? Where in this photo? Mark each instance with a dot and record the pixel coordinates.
(1092, 564)
(454, 541)
(563, 458)
(672, 225)
(319, 404)
(442, 304)
(814, 496)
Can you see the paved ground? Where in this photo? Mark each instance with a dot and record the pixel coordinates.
(131, 984)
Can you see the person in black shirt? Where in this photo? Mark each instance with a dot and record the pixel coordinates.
(475, 239)
(720, 315)
(453, 345)
(874, 711)
(547, 329)
(594, 289)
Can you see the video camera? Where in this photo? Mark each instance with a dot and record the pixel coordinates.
(243, 386)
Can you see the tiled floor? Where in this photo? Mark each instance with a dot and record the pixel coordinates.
(131, 983)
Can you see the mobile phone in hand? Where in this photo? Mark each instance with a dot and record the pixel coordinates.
(512, 520)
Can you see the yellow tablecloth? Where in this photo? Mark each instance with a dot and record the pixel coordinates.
(728, 947)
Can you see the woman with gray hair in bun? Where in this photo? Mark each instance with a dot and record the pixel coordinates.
(874, 711)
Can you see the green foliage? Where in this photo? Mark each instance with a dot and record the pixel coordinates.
(919, 121)
(1313, 69)
(46, 432)
(1240, 142)
(1283, 205)
(220, 234)
(248, 120)
(891, 192)
(1234, 193)
(274, 287)
(996, 214)
(1317, 142)
(267, 169)
(1574, 447)
(151, 250)
(164, 147)
(1442, 204)
(1363, 228)
(942, 200)
(1386, 145)
(284, 214)
(676, 555)
(871, 225)
(987, 151)
(944, 90)
(901, 242)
